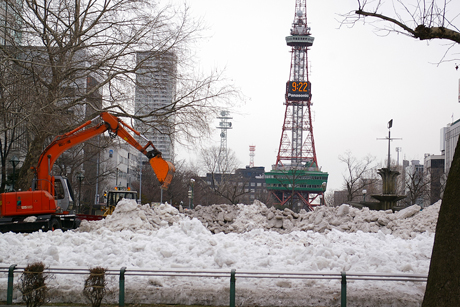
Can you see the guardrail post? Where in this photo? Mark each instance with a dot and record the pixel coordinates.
(9, 291)
(343, 294)
(121, 295)
(232, 288)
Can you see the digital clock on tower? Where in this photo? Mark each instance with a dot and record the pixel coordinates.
(298, 90)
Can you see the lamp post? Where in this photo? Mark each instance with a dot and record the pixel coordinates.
(323, 187)
(14, 161)
(190, 193)
(80, 178)
(139, 201)
(364, 195)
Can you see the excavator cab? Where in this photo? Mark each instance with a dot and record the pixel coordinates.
(63, 193)
(62, 190)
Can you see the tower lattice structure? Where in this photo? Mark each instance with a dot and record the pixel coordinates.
(295, 178)
(297, 145)
(224, 126)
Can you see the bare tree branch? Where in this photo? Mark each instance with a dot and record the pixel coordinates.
(428, 20)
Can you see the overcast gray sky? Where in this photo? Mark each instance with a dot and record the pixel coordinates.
(359, 82)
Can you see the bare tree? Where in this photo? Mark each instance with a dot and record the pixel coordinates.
(12, 132)
(427, 20)
(329, 198)
(177, 192)
(220, 172)
(416, 187)
(359, 174)
(61, 45)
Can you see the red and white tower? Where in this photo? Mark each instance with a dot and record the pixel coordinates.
(296, 180)
(297, 144)
(252, 153)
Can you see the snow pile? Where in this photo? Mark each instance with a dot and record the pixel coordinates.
(245, 238)
(128, 215)
(405, 223)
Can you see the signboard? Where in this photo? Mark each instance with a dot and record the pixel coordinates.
(298, 90)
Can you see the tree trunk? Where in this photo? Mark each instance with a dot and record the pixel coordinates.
(443, 286)
(4, 176)
(26, 174)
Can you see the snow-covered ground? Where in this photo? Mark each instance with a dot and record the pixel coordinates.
(253, 239)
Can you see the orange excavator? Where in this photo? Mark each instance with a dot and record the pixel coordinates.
(48, 203)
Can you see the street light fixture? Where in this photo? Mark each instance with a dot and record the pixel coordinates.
(321, 199)
(139, 201)
(192, 182)
(80, 178)
(14, 161)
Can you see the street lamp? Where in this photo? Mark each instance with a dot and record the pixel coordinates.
(323, 187)
(139, 201)
(190, 193)
(14, 161)
(80, 178)
(364, 195)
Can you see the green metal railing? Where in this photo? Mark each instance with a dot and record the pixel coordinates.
(232, 275)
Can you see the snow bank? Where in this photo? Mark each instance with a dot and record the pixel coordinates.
(246, 238)
(406, 223)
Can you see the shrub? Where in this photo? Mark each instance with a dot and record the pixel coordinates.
(95, 286)
(32, 285)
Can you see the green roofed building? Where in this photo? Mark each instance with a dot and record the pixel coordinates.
(297, 189)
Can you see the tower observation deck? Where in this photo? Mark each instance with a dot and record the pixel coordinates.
(295, 180)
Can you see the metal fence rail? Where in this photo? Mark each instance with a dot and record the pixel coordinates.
(232, 274)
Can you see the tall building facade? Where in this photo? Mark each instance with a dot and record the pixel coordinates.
(449, 140)
(121, 162)
(154, 97)
(434, 173)
(10, 22)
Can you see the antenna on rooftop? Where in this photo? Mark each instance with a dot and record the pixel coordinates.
(224, 125)
(252, 149)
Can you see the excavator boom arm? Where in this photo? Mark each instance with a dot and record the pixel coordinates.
(164, 170)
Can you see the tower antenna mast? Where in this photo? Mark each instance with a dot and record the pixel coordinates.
(224, 126)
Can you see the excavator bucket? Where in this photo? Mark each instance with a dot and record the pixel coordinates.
(164, 170)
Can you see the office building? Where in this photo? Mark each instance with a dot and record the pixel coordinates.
(449, 140)
(154, 96)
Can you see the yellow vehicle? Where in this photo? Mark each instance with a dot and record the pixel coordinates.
(112, 197)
